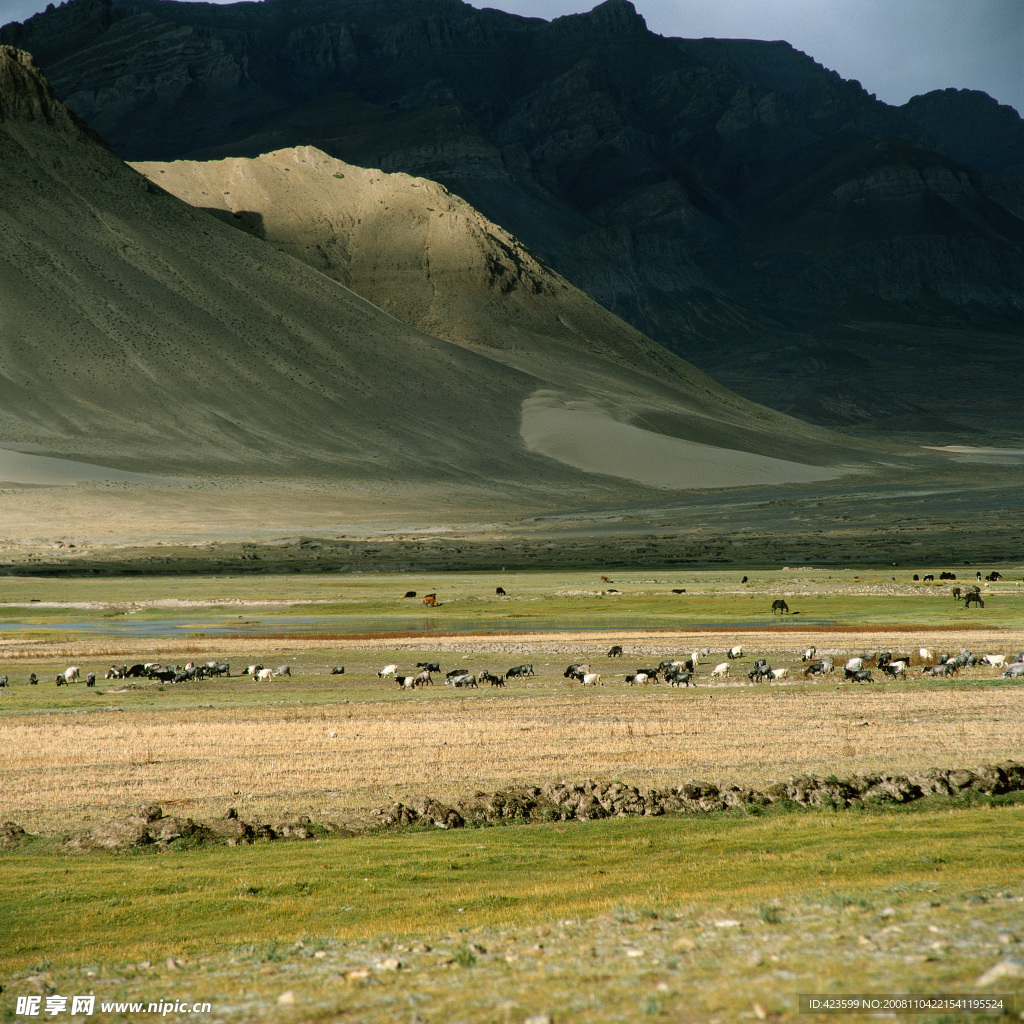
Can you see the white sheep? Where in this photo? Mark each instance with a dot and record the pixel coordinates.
(721, 671)
(387, 670)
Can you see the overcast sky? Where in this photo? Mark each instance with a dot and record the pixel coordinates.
(895, 48)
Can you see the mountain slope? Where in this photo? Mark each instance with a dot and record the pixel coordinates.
(731, 199)
(139, 332)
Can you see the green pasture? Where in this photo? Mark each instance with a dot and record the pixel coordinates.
(78, 908)
(349, 603)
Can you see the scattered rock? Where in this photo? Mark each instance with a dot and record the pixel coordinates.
(390, 963)
(286, 998)
(1008, 968)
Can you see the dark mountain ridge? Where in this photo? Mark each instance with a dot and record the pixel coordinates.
(733, 199)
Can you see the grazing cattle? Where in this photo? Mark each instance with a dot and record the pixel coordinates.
(994, 577)
(615, 651)
(264, 676)
(721, 671)
(33, 679)
(488, 677)
(387, 670)
(947, 575)
(808, 655)
(973, 597)
(70, 674)
(90, 679)
(500, 591)
(283, 670)
(338, 670)
(591, 679)
(853, 665)
(430, 600)
(780, 606)
(735, 652)
(779, 673)
(430, 666)
(995, 660)
(410, 593)
(519, 670)
(895, 668)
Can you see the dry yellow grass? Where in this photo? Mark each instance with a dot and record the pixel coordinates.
(279, 761)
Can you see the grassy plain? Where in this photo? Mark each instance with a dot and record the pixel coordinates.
(724, 917)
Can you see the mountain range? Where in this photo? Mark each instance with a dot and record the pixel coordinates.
(810, 247)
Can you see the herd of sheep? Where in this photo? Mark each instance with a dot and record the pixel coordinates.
(674, 671)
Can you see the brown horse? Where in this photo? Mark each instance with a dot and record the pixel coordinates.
(973, 595)
(780, 606)
(430, 600)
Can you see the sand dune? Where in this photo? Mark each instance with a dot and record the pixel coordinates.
(585, 435)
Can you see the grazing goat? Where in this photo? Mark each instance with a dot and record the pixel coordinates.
(264, 676)
(70, 674)
(3, 680)
(519, 670)
(387, 670)
(615, 651)
(591, 679)
(488, 677)
(283, 670)
(779, 673)
(735, 652)
(862, 675)
(33, 679)
(679, 678)
(721, 671)
(1014, 671)
(406, 682)
(808, 655)
(895, 668)
(995, 660)
(338, 670)
(430, 666)
(852, 666)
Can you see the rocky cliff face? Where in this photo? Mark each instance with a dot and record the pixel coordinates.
(734, 200)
